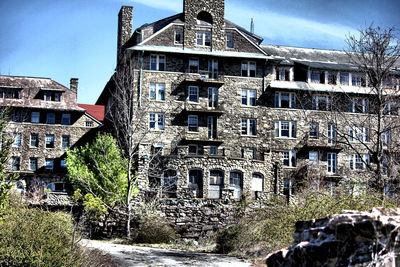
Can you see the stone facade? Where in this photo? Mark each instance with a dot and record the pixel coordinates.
(44, 121)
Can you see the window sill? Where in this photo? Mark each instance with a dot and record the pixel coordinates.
(157, 100)
(157, 130)
(248, 106)
(248, 135)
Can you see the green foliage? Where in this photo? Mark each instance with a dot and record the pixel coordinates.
(154, 230)
(263, 230)
(34, 237)
(99, 169)
(94, 207)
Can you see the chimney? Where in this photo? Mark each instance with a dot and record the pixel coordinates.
(124, 28)
(73, 84)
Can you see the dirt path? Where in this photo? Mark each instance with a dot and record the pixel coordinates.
(126, 256)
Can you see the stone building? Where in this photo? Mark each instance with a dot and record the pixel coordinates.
(45, 120)
(225, 115)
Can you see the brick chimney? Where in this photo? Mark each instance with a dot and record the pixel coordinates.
(124, 28)
(73, 84)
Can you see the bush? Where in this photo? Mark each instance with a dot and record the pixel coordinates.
(154, 230)
(35, 237)
(263, 230)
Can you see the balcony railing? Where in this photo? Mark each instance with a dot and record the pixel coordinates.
(203, 107)
(204, 76)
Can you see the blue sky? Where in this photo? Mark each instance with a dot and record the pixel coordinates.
(61, 39)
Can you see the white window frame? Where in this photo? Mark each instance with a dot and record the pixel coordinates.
(331, 163)
(15, 163)
(158, 117)
(37, 140)
(331, 134)
(193, 91)
(248, 67)
(155, 90)
(49, 137)
(312, 126)
(17, 140)
(313, 157)
(313, 73)
(359, 134)
(386, 138)
(354, 103)
(247, 96)
(278, 99)
(35, 161)
(180, 33)
(193, 122)
(346, 80)
(203, 38)
(246, 126)
(357, 79)
(279, 128)
(158, 62)
(281, 73)
(288, 156)
(316, 99)
(49, 164)
(357, 162)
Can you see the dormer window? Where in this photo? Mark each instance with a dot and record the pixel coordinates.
(229, 40)
(203, 38)
(283, 74)
(52, 96)
(178, 37)
(10, 93)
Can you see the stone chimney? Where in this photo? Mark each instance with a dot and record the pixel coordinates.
(73, 84)
(124, 28)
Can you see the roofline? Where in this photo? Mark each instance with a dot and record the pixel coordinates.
(159, 32)
(93, 118)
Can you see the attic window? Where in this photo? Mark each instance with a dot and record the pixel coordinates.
(178, 37)
(10, 93)
(229, 40)
(204, 18)
(52, 96)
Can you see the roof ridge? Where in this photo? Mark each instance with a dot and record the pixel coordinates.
(298, 47)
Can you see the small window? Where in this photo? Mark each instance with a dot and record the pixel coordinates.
(49, 164)
(33, 164)
(156, 121)
(63, 163)
(357, 133)
(249, 127)
(285, 100)
(89, 123)
(49, 141)
(15, 163)
(313, 157)
(66, 119)
(47, 96)
(332, 77)
(193, 123)
(17, 115)
(358, 79)
(317, 76)
(331, 134)
(203, 38)
(157, 91)
(34, 140)
(229, 40)
(321, 102)
(285, 129)
(194, 65)
(51, 118)
(332, 163)
(314, 130)
(35, 116)
(386, 139)
(212, 97)
(283, 74)
(249, 97)
(213, 150)
(289, 158)
(65, 142)
(249, 69)
(17, 140)
(358, 162)
(178, 37)
(359, 105)
(193, 94)
(157, 62)
(193, 149)
(344, 78)
(57, 97)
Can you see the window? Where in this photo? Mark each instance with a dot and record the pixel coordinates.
(17, 140)
(213, 150)
(193, 149)
(63, 163)
(288, 187)
(33, 164)
(236, 183)
(359, 105)
(10, 93)
(317, 76)
(213, 69)
(203, 38)
(193, 65)
(52, 96)
(285, 100)
(157, 91)
(357, 133)
(331, 134)
(35, 116)
(193, 94)
(34, 140)
(344, 78)
(212, 97)
(314, 130)
(283, 74)
(332, 163)
(249, 69)
(289, 158)
(49, 164)
(386, 139)
(332, 77)
(170, 178)
(66, 119)
(357, 79)
(157, 62)
(65, 142)
(47, 96)
(229, 40)
(257, 183)
(358, 162)
(216, 184)
(49, 141)
(285, 129)
(313, 157)
(57, 97)
(193, 123)
(15, 163)
(249, 127)
(391, 108)
(17, 115)
(249, 97)
(51, 118)
(321, 102)
(156, 121)
(89, 123)
(178, 37)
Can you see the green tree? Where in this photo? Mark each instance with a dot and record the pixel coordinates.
(99, 169)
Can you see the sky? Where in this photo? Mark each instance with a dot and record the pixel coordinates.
(60, 39)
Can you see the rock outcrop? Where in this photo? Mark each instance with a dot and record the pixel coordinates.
(351, 238)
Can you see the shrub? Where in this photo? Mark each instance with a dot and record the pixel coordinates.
(154, 230)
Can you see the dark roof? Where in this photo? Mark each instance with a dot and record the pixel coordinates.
(95, 111)
(229, 24)
(30, 82)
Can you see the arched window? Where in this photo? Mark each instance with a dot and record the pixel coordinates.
(216, 184)
(236, 183)
(204, 18)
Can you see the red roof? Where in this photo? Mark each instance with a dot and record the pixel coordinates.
(96, 111)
